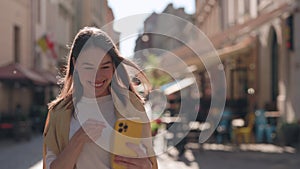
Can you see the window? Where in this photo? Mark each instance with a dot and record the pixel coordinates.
(17, 44)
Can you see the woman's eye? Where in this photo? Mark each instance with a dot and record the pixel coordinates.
(105, 67)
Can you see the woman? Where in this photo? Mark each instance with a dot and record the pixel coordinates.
(95, 75)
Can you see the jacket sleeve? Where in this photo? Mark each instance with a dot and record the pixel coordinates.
(49, 136)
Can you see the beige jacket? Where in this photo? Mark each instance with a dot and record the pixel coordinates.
(57, 127)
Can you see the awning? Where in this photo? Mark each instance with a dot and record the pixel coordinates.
(176, 86)
(232, 51)
(17, 72)
(177, 65)
(50, 77)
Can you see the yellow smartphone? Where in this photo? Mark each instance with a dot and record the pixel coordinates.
(126, 130)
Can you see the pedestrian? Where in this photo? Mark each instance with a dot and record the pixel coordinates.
(95, 74)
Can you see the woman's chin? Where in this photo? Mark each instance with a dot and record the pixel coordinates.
(101, 93)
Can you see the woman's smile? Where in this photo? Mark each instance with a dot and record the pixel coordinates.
(97, 84)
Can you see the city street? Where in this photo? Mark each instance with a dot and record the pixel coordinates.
(228, 70)
(28, 155)
(21, 155)
(213, 156)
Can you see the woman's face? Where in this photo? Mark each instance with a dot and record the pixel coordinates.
(95, 70)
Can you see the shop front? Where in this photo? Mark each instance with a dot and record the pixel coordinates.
(23, 95)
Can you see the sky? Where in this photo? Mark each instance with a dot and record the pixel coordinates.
(130, 15)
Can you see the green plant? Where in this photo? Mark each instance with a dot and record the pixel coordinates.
(156, 76)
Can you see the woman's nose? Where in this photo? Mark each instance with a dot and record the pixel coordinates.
(98, 73)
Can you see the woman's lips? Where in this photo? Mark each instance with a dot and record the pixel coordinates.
(97, 84)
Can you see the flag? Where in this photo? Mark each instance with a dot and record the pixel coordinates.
(50, 45)
(45, 43)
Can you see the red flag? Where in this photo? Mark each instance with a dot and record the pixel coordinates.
(50, 45)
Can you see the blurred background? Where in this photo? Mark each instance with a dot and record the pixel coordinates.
(256, 40)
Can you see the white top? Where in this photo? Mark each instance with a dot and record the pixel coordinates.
(93, 155)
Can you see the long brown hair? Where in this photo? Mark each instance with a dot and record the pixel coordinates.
(71, 91)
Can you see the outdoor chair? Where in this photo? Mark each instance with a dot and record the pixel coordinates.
(244, 134)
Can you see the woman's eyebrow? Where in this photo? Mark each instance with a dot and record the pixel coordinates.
(107, 62)
(87, 64)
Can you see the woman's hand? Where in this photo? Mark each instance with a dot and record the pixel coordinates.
(90, 131)
(135, 163)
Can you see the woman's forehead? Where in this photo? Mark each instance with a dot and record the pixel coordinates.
(93, 55)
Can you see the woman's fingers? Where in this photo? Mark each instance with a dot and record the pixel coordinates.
(92, 129)
(132, 163)
(124, 162)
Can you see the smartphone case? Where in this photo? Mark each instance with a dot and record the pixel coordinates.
(126, 130)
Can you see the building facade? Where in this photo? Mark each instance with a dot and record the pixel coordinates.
(35, 41)
(17, 55)
(153, 41)
(94, 13)
(32, 45)
(258, 46)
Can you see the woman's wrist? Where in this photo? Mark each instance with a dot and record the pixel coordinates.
(76, 142)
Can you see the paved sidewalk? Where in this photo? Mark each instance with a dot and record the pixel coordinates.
(166, 161)
(214, 156)
(21, 155)
(27, 155)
